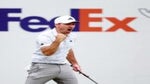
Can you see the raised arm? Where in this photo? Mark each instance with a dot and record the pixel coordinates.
(49, 50)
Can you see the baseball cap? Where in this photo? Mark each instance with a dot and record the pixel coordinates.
(64, 19)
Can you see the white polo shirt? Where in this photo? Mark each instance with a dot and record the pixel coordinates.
(45, 39)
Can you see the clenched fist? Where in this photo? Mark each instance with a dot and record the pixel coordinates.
(60, 37)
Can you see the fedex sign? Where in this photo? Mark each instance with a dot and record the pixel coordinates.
(81, 15)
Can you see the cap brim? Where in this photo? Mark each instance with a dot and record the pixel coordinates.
(73, 22)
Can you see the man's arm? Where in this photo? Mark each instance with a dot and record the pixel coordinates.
(49, 50)
(71, 58)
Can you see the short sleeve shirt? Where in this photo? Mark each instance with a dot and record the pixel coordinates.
(45, 39)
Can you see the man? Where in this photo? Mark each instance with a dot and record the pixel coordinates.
(53, 51)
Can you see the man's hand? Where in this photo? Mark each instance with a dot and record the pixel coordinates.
(60, 37)
(76, 67)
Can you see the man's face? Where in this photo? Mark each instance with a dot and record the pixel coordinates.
(65, 28)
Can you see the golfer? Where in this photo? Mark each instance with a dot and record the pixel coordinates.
(54, 53)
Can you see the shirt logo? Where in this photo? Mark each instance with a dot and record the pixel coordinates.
(70, 41)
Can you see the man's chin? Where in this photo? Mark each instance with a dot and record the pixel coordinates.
(66, 33)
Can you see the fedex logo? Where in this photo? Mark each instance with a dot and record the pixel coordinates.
(81, 15)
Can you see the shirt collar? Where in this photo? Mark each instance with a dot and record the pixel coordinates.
(54, 31)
